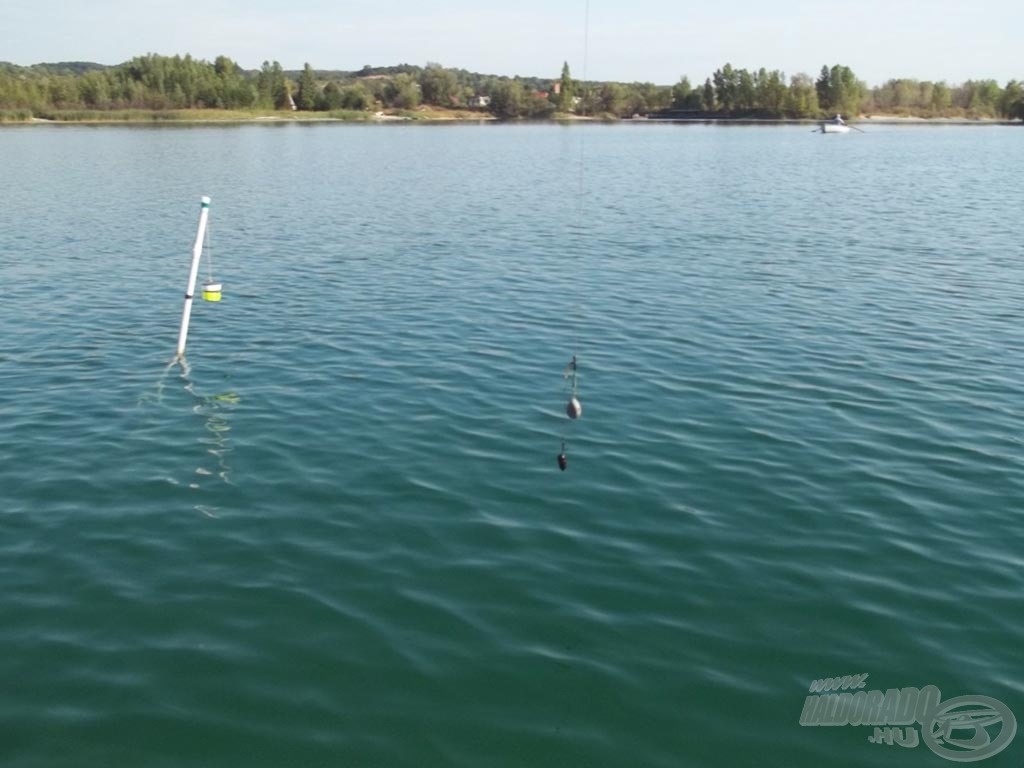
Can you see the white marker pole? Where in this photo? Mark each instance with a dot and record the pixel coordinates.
(197, 252)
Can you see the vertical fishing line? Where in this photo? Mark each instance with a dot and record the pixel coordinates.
(209, 254)
(581, 187)
(573, 408)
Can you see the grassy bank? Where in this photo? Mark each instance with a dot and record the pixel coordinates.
(15, 115)
(183, 115)
(229, 115)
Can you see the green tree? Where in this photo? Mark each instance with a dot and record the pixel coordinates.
(94, 90)
(771, 92)
(726, 85)
(232, 88)
(823, 87)
(264, 86)
(746, 92)
(925, 91)
(538, 105)
(224, 67)
(1013, 95)
(272, 87)
(802, 97)
(1016, 110)
(356, 97)
(306, 96)
(906, 93)
(402, 91)
(589, 99)
(681, 93)
(978, 98)
(329, 98)
(508, 99)
(567, 91)
(709, 102)
(438, 85)
(942, 98)
(612, 99)
(839, 90)
(62, 92)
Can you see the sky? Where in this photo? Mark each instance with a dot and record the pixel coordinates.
(655, 41)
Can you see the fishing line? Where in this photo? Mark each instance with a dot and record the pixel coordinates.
(211, 288)
(209, 254)
(581, 188)
(570, 375)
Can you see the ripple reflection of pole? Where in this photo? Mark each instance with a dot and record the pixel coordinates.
(197, 252)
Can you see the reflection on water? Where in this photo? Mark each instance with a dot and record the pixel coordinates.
(214, 411)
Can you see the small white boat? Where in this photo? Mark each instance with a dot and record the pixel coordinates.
(835, 125)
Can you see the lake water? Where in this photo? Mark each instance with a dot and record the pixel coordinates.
(338, 536)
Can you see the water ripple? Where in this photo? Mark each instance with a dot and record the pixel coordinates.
(338, 534)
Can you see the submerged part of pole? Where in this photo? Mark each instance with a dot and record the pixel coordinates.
(197, 252)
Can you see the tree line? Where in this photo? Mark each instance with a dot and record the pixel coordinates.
(154, 82)
(837, 90)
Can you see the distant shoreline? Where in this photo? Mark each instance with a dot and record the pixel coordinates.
(277, 117)
(434, 115)
(878, 120)
(168, 120)
(179, 88)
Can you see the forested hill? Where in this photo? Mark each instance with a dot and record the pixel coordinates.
(162, 83)
(56, 68)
